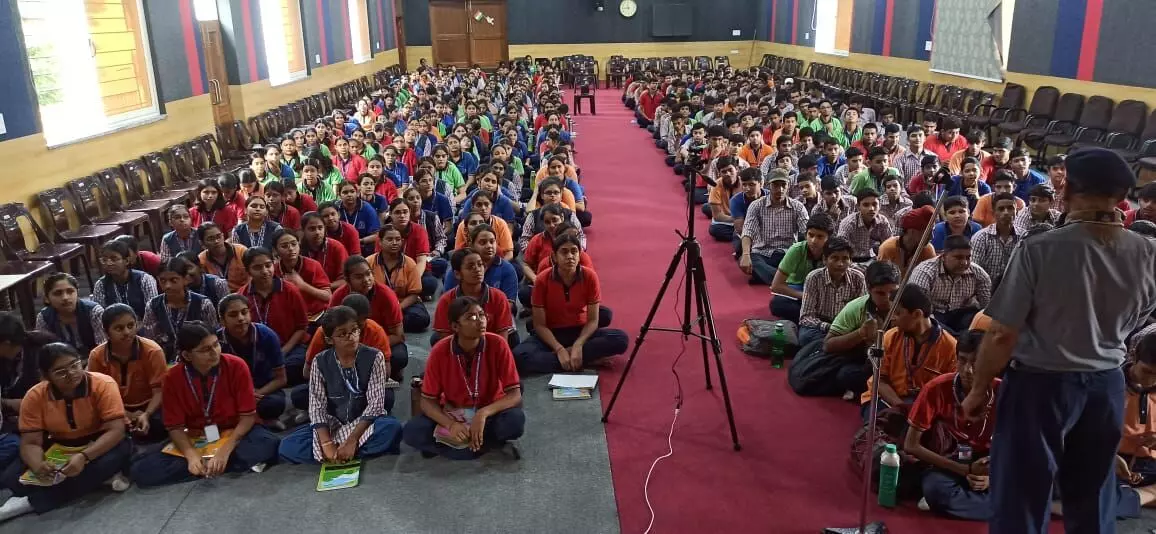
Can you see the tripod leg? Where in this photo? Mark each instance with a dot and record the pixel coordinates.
(694, 268)
(707, 316)
(670, 271)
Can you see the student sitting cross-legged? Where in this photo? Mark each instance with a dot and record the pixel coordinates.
(207, 394)
(371, 334)
(347, 410)
(801, 259)
(828, 289)
(471, 393)
(176, 304)
(958, 288)
(915, 351)
(954, 447)
(384, 309)
(277, 304)
(839, 364)
(260, 347)
(469, 269)
(72, 408)
(569, 331)
(400, 273)
(137, 365)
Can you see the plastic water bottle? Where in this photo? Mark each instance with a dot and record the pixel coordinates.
(778, 345)
(888, 476)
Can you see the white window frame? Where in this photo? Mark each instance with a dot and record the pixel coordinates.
(825, 25)
(80, 116)
(354, 7)
(275, 59)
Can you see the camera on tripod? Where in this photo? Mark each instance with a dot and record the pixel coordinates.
(942, 177)
(694, 155)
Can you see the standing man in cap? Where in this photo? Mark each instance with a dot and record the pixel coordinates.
(1061, 403)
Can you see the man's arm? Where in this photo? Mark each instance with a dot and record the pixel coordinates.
(994, 354)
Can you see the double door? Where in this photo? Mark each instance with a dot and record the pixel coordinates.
(468, 32)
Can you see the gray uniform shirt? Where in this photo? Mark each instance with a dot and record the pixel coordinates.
(1074, 300)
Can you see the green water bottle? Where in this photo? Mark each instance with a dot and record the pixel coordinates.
(778, 345)
(888, 476)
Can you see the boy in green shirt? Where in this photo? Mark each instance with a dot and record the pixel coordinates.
(801, 258)
(839, 365)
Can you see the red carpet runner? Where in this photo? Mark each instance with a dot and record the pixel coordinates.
(792, 474)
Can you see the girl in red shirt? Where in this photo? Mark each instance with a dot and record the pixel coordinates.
(305, 273)
(351, 165)
(210, 206)
(329, 252)
(416, 243)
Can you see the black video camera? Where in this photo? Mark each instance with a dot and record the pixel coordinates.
(942, 176)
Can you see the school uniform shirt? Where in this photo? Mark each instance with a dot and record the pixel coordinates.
(907, 368)
(243, 235)
(1139, 416)
(73, 421)
(854, 314)
(992, 252)
(503, 206)
(499, 273)
(322, 193)
(363, 218)
(944, 150)
(226, 217)
(1023, 186)
(313, 274)
(969, 289)
(348, 236)
(289, 218)
(331, 256)
(372, 335)
(823, 297)
(449, 180)
(416, 242)
(260, 350)
(137, 378)
(797, 263)
(1024, 220)
(773, 227)
(85, 335)
(404, 279)
(19, 374)
(499, 319)
(173, 244)
(340, 398)
(284, 310)
(383, 304)
(136, 292)
(440, 205)
(237, 206)
(451, 374)
(149, 262)
(161, 323)
(384, 193)
(939, 402)
(956, 188)
(739, 204)
(534, 225)
(186, 394)
(398, 174)
(351, 167)
(986, 165)
(232, 270)
(466, 163)
(539, 253)
(505, 240)
(892, 252)
(565, 306)
(304, 202)
(984, 213)
(865, 239)
(753, 158)
(940, 233)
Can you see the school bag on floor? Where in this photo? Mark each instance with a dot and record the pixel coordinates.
(756, 335)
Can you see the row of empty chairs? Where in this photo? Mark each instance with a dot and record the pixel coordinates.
(131, 198)
(618, 68)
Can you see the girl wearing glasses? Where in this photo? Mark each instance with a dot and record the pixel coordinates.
(137, 365)
(72, 408)
(347, 389)
(207, 395)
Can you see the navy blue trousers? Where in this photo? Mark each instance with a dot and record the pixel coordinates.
(158, 468)
(507, 425)
(1056, 426)
(950, 494)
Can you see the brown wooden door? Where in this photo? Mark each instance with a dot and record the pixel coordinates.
(488, 44)
(450, 32)
(215, 70)
(399, 32)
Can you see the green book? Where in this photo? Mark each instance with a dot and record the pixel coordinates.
(339, 476)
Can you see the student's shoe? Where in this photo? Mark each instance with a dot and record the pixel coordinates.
(118, 482)
(510, 448)
(301, 418)
(923, 506)
(525, 312)
(275, 425)
(15, 507)
(259, 468)
(427, 455)
(849, 395)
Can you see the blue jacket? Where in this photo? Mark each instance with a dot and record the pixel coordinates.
(364, 218)
(500, 274)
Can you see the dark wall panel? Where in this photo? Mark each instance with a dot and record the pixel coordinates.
(17, 95)
(177, 50)
(416, 22)
(1126, 44)
(804, 35)
(311, 24)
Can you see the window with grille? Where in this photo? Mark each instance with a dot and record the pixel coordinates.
(284, 41)
(90, 65)
(359, 30)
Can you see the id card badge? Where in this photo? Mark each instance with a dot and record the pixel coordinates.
(212, 434)
(468, 413)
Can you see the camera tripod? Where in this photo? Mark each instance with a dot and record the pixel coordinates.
(689, 255)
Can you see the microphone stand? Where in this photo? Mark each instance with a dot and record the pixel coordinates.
(875, 356)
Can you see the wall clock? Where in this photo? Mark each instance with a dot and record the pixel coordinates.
(628, 8)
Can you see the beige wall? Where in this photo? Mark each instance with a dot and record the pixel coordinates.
(31, 167)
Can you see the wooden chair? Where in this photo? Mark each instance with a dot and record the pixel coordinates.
(69, 225)
(126, 198)
(96, 204)
(30, 242)
(19, 281)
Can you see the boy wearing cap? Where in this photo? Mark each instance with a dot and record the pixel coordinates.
(991, 247)
(1147, 209)
(1041, 198)
(958, 288)
(772, 223)
(901, 248)
(1064, 342)
(998, 159)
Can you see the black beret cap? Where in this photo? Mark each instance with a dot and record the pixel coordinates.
(1098, 170)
